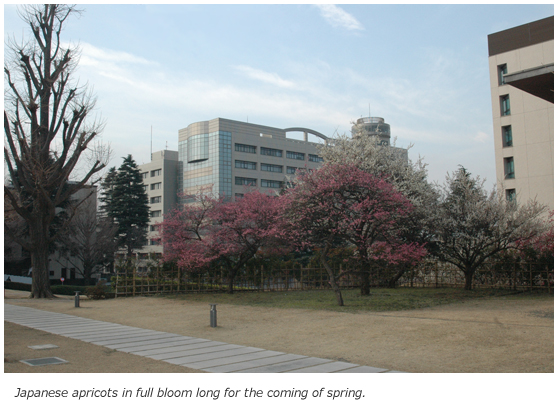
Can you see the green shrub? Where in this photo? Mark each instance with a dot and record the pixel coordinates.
(68, 290)
(100, 291)
(17, 286)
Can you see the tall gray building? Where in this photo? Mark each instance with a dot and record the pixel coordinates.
(228, 157)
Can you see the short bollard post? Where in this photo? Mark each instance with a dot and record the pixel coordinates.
(77, 299)
(213, 315)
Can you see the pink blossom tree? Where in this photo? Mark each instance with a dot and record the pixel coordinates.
(339, 204)
(211, 230)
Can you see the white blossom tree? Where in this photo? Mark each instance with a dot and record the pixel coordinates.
(472, 224)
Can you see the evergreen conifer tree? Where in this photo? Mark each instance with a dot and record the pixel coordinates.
(126, 202)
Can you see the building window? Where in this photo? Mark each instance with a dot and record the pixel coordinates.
(146, 187)
(153, 242)
(198, 148)
(295, 155)
(241, 164)
(291, 170)
(244, 181)
(502, 70)
(271, 152)
(509, 169)
(505, 105)
(156, 173)
(238, 195)
(507, 136)
(144, 175)
(153, 228)
(156, 199)
(155, 186)
(155, 213)
(276, 184)
(315, 158)
(244, 148)
(271, 168)
(510, 195)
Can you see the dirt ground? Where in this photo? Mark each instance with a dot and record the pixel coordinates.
(504, 334)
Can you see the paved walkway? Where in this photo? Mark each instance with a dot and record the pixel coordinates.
(195, 353)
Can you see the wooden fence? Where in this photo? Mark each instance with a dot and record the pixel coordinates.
(428, 274)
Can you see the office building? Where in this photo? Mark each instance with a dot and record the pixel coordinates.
(521, 64)
(160, 182)
(228, 158)
(376, 128)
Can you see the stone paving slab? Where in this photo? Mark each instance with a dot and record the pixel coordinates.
(181, 346)
(209, 347)
(187, 346)
(195, 364)
(196, 353)
(218, 356)
(287, 366)
(362, 369)
(88, 330)
(235, 367)
(160, 339)
(88, 337)
(325, 368)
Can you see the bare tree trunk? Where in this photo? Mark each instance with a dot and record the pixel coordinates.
(230, 281)
(332, 280)
(469, 273)
(364, 283)
(40, 287)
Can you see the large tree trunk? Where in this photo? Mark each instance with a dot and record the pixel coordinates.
(332, 280)
(230, 280)
(469, 273)
(40, 287)
(364, 283)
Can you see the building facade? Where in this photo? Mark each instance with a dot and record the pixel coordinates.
(229, 158)
(160, 178)
(376, 128)
(521, 64)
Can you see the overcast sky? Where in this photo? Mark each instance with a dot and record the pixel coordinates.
(423, 68)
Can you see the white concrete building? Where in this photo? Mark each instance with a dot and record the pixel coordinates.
(521, 64)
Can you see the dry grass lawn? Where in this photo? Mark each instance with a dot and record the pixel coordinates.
(500, 334)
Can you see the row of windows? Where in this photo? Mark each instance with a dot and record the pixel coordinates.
(156, 199)
(271, 168)
(266, 151)
(154, 173)
(244, 148)
(246, 181)
(243, 164)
